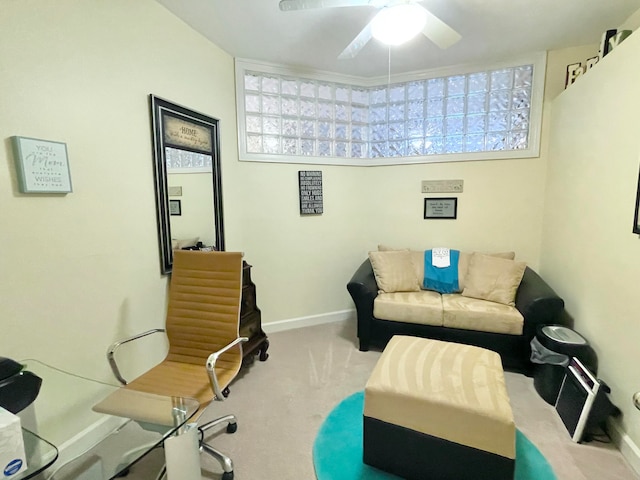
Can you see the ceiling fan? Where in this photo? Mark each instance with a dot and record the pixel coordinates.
(407, 16)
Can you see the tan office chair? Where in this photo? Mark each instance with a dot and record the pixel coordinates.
(202, 326)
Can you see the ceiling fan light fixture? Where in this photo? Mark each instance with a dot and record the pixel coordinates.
(398, 24)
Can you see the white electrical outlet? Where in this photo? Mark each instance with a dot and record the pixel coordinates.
(442, 186)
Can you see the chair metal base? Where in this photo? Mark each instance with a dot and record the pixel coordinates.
(225, 461)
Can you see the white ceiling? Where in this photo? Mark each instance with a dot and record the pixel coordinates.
(492, 30)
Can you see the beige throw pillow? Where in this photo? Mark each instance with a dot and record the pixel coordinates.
(493, 278)
(394, 271)
(463, 264)
(387, 248)
(417, 257)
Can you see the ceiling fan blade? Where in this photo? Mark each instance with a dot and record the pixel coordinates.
(286, 5)
(357, 43)
(439, 32)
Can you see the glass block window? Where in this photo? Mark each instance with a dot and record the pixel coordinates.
(476, 112)
(305, 117)
(178, 159)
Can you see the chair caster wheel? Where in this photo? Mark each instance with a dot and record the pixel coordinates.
(227, 476)
(231, 428)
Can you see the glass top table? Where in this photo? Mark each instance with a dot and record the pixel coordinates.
(39, 452)
(82, 428)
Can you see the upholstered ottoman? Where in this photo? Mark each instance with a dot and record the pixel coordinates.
(438, 410)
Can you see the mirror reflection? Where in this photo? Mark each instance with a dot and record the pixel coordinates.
(193, 222)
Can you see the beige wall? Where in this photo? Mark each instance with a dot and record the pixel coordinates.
(81, 270)
(589, 252)
(309, 260)
(86, 264)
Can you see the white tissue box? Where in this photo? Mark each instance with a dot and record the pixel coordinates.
(12, 457)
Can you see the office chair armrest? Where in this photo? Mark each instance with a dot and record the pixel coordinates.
(114, 346)
(211, 364)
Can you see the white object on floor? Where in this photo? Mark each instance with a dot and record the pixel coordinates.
(12, 455)
(182, 454)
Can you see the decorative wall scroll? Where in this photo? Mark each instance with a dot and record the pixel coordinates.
(441, 208)
(42, 166)
(310, 188)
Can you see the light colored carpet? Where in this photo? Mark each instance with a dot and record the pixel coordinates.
(280, 405)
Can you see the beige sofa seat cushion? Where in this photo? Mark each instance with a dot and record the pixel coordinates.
(481, 315)
(423, 307)
(448, 390)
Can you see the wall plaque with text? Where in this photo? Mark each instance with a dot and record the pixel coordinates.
(441, 207)
(183, 133)
(310, 187)
(42, 166)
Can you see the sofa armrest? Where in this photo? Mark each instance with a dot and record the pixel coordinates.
(537, 302)
(363, 289)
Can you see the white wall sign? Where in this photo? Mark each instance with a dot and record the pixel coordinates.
(42, 166)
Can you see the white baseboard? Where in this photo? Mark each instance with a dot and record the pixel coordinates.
(626, 445)
(310, 321)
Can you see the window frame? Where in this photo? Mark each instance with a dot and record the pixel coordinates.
(538, 60)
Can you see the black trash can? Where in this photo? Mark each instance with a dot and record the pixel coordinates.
(551, 350)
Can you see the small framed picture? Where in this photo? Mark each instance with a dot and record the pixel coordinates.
(441, 208)
(175, 207)
(42, 166)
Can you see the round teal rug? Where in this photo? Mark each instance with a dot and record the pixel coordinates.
(337, 451)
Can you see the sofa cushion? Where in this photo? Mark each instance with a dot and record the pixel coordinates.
(394, 271)
(465, 258)
(463, 262)
(423, 307)
(473, 314)
(494, 279)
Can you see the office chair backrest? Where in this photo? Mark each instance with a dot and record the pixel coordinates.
(204, 306)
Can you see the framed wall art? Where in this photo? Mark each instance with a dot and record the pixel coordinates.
(441, 208)
(42, 166)
(310, 192)
(175, 207)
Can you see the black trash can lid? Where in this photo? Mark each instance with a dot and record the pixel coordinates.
(563, 335)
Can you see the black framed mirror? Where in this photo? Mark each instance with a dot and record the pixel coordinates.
(186, 150)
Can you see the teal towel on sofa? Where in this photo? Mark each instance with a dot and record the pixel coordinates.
(443, 280)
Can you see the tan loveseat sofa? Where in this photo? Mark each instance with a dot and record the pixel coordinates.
(498, 305)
